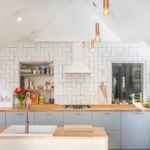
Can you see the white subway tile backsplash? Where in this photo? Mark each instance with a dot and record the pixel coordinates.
(72, 88)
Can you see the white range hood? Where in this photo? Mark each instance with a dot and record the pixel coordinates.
(78, 65)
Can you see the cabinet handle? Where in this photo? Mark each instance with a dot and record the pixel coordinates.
(20, 114)
(106, 113)
(137, 113)
(48, 114)
(78, 114)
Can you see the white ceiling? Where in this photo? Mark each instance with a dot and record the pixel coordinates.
(129, 20)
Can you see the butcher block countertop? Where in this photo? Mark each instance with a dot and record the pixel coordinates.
(2, 129)
(97, 132)
(55, 107)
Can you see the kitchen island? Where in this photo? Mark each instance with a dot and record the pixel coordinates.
(61, 140)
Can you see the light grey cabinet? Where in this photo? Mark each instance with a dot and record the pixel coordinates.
(110, 121)
(2, 119)
(49, 118)
(135, 130)
(113, 139)
(18, 118)
(77, 118)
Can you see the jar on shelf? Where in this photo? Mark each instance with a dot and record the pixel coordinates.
(42, 69)
(41, 99)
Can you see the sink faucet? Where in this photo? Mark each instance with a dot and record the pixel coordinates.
(28, 102)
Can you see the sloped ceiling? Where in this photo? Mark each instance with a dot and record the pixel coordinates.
(71, 20)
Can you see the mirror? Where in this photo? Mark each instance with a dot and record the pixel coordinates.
(127, 82)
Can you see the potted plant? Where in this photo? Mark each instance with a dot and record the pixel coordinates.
(20, 93)
(148, 103)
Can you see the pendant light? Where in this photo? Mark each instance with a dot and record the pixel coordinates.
(97, 37)
(93, 45)
(106, 7)
(18, 16)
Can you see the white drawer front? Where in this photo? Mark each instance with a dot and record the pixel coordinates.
(78, 118)
(49, 118)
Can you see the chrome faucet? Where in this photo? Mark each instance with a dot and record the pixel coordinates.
(28, 102)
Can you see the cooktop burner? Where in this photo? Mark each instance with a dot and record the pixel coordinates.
(77, 106)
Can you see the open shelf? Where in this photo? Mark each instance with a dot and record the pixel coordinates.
(38, 90)
(35, 75)
(38, 80)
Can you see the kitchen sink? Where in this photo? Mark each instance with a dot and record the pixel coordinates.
(34, 130)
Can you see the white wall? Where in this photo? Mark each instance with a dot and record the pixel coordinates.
(79, 88)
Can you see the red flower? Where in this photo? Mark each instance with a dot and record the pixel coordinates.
(20, 90)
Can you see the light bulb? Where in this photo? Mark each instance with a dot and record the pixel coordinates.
(97, 39)
(19, 19)
(106, 11)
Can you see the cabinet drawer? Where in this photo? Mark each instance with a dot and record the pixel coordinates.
(18, 118)
(108, 120)
(2, 119)
(113, 139)
(80, 118)
(49, 118)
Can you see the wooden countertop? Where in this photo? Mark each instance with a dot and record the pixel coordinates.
(97, 132)
(55, 107)
(2, 129)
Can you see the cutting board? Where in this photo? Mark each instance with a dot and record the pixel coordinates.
(79, 128)
(103, 92)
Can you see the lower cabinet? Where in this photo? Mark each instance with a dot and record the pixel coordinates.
(2, 119)
(135, 132)
(113, 139)
(18, 118)
(110, 121)
(49, 118)
(78, 118)
(125, 130)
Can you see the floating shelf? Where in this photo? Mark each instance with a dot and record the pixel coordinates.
(38, 90)
(35, 75)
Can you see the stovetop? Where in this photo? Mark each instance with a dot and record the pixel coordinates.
(77, 106)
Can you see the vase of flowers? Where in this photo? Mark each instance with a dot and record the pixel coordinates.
(21, 95)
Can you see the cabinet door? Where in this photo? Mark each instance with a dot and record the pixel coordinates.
(108, 120)
(77, 118)
(113, 139)
(18, 118)
(2, 119)
(49, 118)
(135, 130)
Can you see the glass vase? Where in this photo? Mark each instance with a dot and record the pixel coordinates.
(21, 103)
